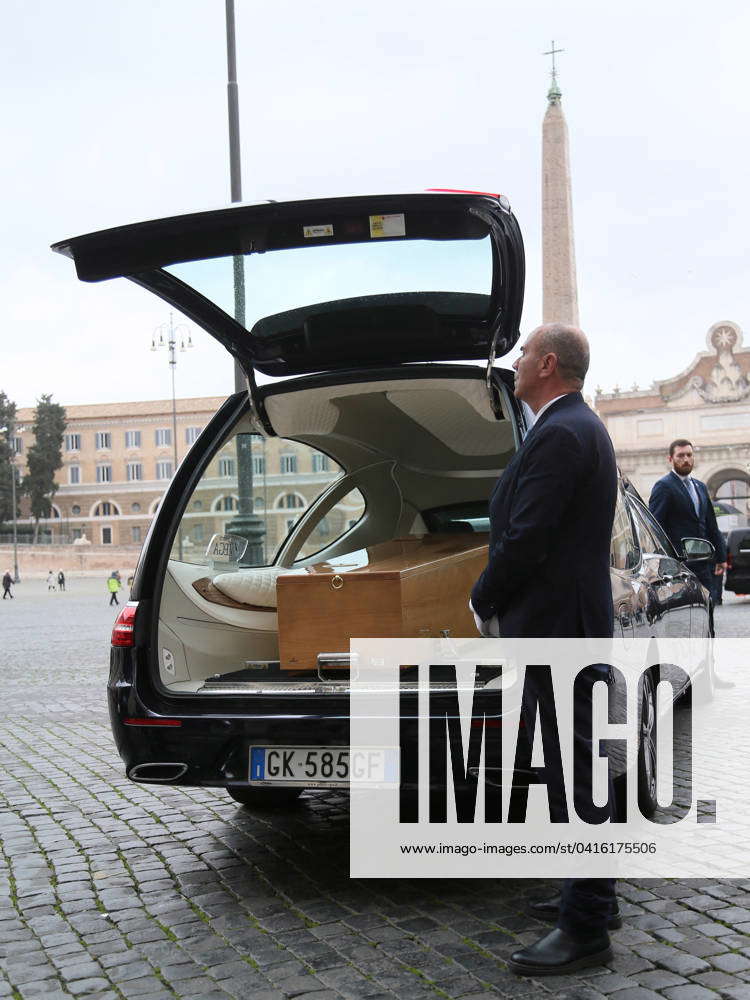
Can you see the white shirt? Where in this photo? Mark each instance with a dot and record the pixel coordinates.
(546, 406)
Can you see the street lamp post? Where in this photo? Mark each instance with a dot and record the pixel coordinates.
(10, 432)
(170, 344)
(16, 577)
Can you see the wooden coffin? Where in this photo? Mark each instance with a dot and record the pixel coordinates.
(411, 587)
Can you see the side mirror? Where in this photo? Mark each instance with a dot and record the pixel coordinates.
(697, 549)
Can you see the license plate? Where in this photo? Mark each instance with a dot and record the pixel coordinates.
(323, 766)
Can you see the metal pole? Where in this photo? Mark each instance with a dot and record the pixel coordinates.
(246, 523)
(235, 176)
(16, 577)
(235, 169)
(173, 366)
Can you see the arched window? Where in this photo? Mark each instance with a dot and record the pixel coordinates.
(290, 501)
(105, 508)
(226, 503)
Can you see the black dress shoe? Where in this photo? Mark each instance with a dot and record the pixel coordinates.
(548, 909)
(557, 953)
(720, 683)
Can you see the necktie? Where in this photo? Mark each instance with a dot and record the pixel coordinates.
(690, 487)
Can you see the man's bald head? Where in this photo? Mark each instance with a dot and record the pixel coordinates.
(554, 361)
(571, 348)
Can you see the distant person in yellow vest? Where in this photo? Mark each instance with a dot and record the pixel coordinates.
(113, 585)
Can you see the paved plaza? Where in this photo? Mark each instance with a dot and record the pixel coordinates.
(111, 889)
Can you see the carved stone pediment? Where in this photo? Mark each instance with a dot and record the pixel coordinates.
(720, 375)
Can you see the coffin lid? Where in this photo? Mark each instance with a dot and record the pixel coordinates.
(387, 326)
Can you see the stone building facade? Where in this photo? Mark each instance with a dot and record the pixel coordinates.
(118, 459)
(709, 404)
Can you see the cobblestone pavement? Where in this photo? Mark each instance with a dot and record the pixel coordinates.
(110, 889)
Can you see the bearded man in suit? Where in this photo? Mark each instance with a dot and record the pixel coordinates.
(681, 504)
(547, 575)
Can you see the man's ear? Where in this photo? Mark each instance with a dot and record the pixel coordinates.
(549, 365)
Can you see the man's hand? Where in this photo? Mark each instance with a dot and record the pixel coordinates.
(489, 629)
(719, 568)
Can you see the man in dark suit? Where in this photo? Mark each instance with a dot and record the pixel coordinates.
(551, 515)
(682, 506)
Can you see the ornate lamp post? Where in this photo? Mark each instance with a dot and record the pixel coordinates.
(170, 344)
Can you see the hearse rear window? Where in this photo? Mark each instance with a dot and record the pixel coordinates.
(283, 280)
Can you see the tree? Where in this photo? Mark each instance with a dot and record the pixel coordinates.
(44, 458)
(7, 423)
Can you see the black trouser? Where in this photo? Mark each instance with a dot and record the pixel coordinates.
(113, 598)
(7, 593)
(586, 903)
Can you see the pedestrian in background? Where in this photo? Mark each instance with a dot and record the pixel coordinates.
(61, 580)
(113, 585)
(51, 582)
(682, 506)
(7, 584)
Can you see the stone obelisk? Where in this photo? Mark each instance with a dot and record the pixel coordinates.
(559, 286)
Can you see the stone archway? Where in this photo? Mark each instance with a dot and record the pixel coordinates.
(731, 486)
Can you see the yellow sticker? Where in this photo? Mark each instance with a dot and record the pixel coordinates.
(315, 232)
(387, 225)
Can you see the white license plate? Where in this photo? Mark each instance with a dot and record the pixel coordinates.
(320, 766)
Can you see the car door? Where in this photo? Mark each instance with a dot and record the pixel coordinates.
(624, 558)
(676, 600)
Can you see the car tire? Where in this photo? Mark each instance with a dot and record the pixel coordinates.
(647, 747)
(266, 798)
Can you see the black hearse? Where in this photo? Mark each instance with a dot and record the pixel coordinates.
(364, 315)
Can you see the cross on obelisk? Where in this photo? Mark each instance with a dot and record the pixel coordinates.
(553, 52)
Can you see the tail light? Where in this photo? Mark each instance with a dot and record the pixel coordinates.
(122, 632)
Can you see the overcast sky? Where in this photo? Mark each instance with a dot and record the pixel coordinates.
(116, 112)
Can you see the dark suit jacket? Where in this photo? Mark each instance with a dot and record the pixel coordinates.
(671, 505)
(551, 515)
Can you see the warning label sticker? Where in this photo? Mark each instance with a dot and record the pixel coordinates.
(315, 232)
(387, 225)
